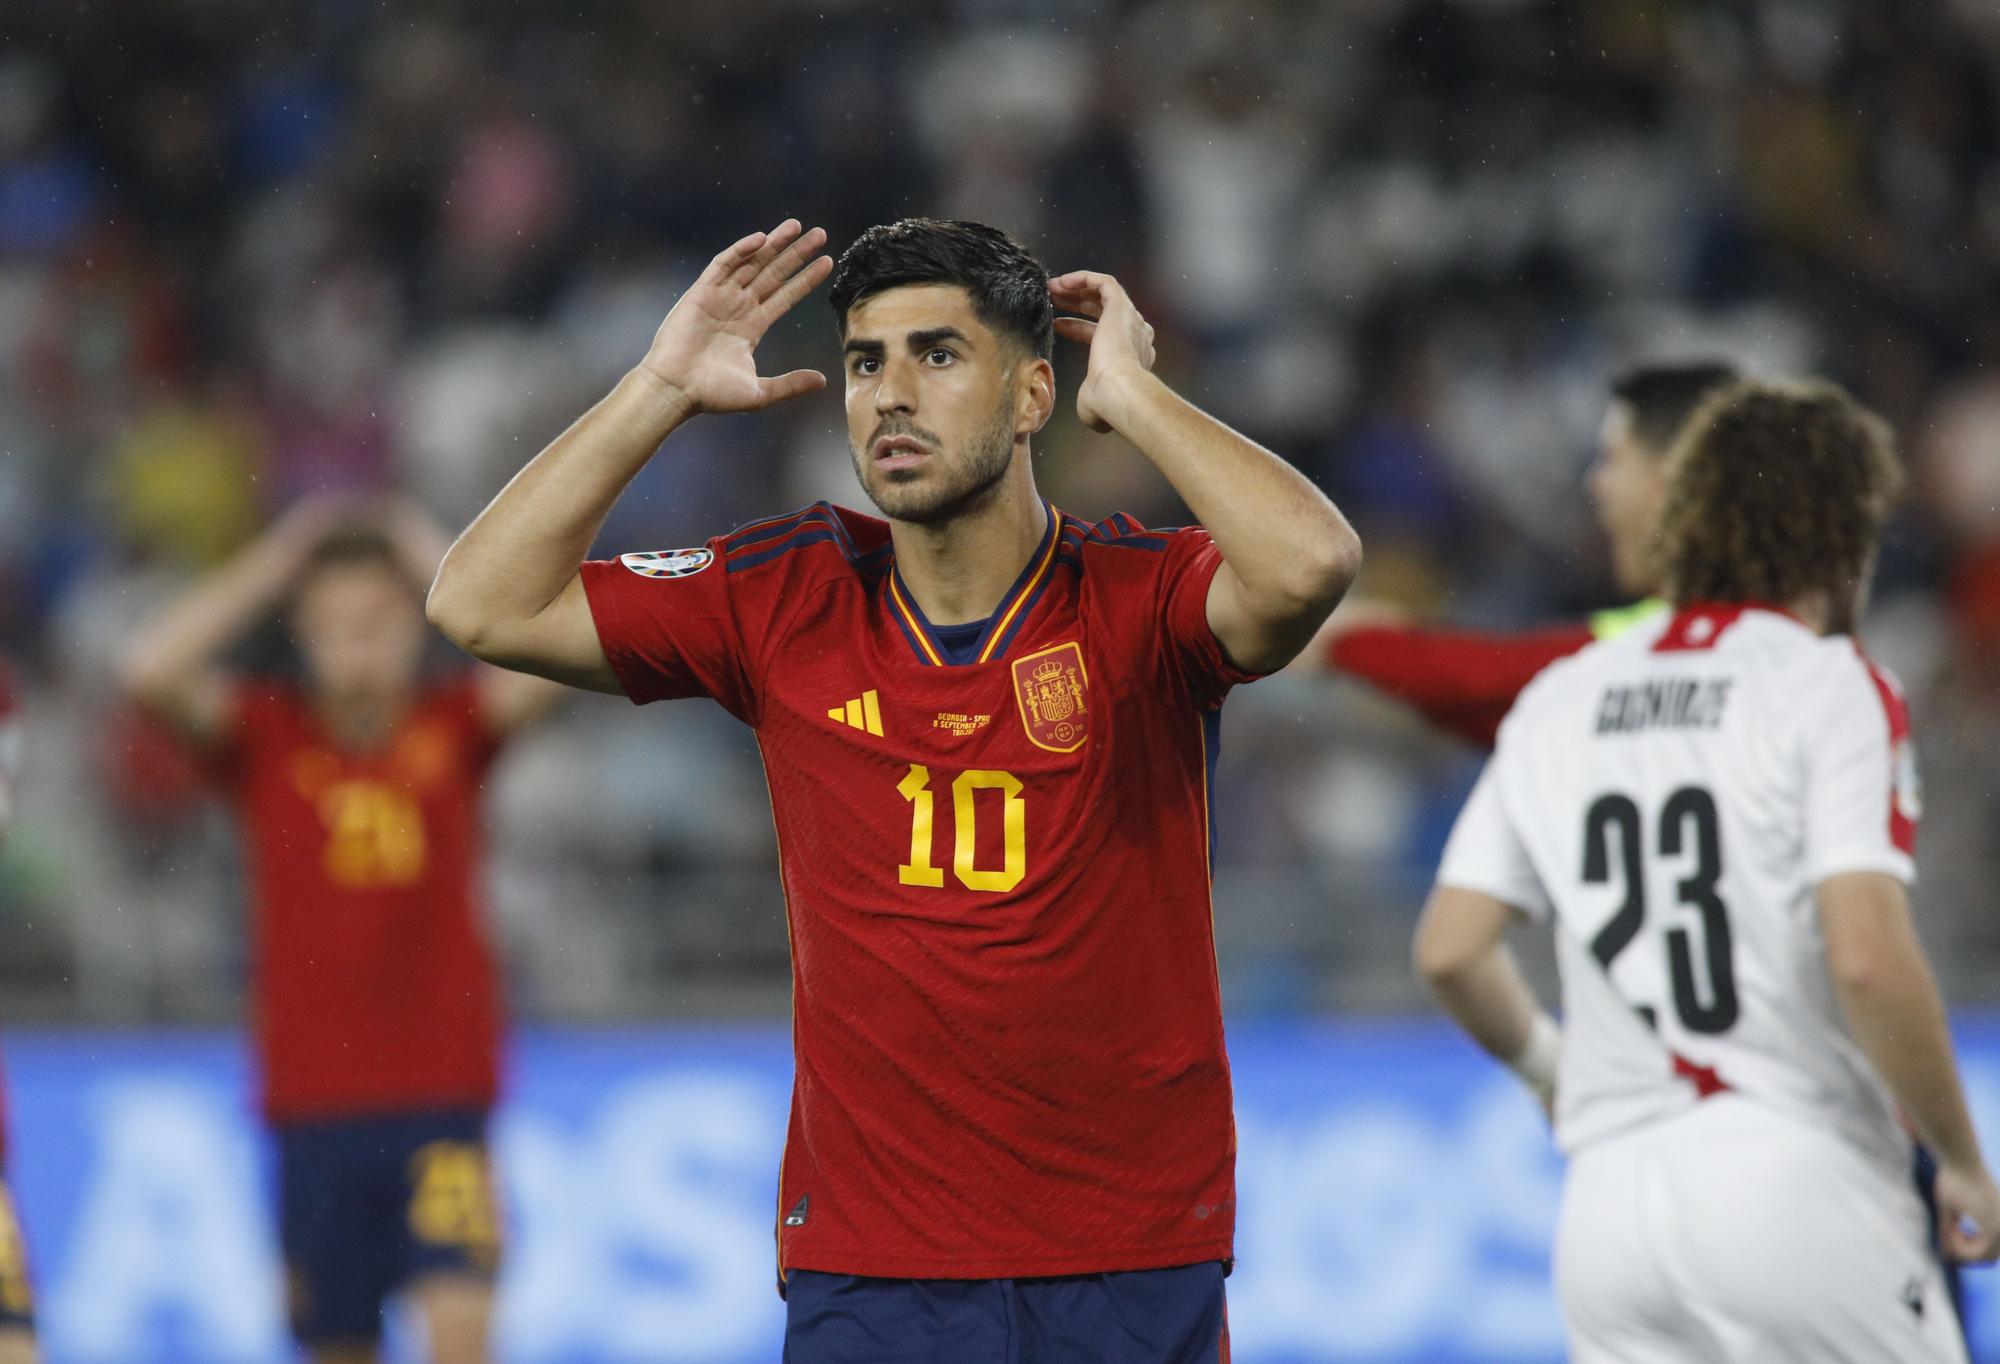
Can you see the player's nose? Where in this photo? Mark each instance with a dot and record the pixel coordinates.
(897, 392)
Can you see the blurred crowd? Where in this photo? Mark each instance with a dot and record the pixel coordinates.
(254, 250)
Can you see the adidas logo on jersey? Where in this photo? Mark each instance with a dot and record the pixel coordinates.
(864, 712)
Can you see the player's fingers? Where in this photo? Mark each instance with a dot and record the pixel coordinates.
(783, 265)
(1077, 280)
(1965, 1240)
(1086, 284)
(794, 385)
(797, 287)
(724, 265)
(776, 240)
(1076, 329)
(1090, 305)
(1076, 284)
(1958, 1247)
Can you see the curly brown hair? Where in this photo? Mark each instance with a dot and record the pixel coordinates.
(1777, 492)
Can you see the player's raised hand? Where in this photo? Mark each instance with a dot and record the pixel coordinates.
(1968, 1214)
(1120, 340)
(302, 528)
(705, 350)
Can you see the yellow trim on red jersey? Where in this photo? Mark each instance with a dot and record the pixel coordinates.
(999, 631)
(913, 622)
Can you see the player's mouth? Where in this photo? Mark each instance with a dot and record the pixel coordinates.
(892, 453)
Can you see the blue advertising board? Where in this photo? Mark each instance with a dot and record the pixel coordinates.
(1397, 1196)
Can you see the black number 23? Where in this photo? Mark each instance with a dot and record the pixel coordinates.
(1612, 831)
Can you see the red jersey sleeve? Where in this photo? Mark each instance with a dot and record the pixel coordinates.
(1194, 657)
(10, 748)
(1463, 681)
(669, 627)
(10, 726)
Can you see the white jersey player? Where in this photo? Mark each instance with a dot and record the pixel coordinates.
(1716, 814)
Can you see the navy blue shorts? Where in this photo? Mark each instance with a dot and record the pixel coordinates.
(17, 1300)
(1149, 1316)
(365, 1205)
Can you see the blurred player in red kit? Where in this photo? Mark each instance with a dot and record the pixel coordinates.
(377, 1007)
(987, 728)
(1462, 680)
(17, 1304)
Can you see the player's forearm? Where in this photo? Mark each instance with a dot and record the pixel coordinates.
(1487, 995)
(1895, 1012)
(519, 554)
(1289, 547)
(190, 637)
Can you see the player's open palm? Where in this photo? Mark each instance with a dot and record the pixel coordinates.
(706, 348)
(1968, 1214)
(1118, 337)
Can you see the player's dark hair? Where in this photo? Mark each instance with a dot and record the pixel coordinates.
(1776, 491)
(351, 546)
(1009, 287)
(1661, 398)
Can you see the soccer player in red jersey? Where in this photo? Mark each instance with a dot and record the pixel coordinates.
(1464, 681)
(376, 1001)
(17, 1303)
(988, 729)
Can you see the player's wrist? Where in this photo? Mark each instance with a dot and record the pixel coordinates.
(1966, 1165)
(1119, 388)
(665, 401)
(1540, 1057)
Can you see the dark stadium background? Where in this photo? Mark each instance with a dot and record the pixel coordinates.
(252, 250)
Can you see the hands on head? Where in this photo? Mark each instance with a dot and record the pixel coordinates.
(705, 350)
(1120, 340)
(418, 540)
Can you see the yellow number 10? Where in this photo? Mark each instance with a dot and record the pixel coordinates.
(921, 871)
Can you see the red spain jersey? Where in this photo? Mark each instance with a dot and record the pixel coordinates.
(373, 987)
(1007, 1027)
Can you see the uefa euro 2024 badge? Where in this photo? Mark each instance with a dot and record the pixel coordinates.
(668, 563)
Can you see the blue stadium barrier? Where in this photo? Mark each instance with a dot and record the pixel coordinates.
(1397, 1195)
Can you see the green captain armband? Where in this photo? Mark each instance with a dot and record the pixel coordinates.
(1616, 621)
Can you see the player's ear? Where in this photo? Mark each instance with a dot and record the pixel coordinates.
(1037, 401)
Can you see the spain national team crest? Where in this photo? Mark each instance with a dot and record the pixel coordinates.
(668, 563)
(1049, 688)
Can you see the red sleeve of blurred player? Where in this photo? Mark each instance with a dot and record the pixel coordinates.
(1462, 681)
(10, 745)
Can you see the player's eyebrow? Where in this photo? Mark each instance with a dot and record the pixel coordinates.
(930, 336)
(860, 346)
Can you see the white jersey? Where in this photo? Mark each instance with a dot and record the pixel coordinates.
(1674, 795)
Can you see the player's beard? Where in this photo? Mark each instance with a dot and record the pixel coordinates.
(945, 486)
